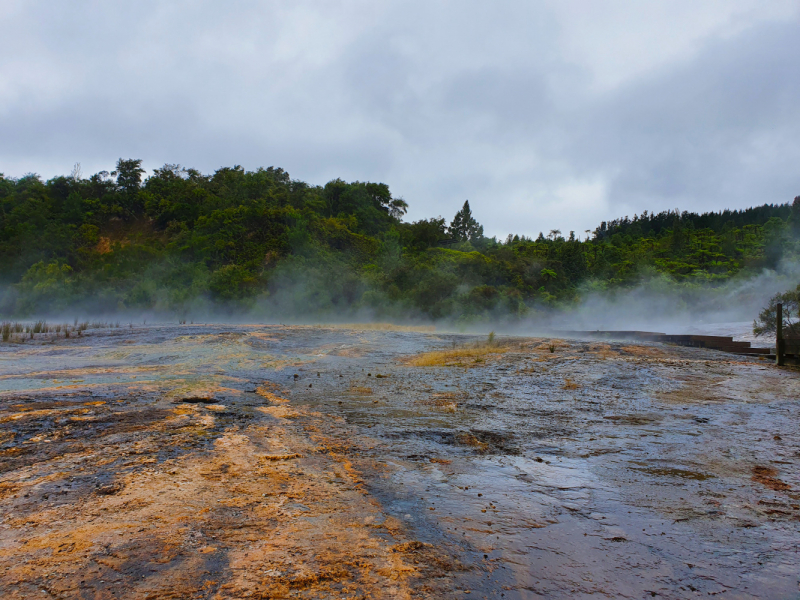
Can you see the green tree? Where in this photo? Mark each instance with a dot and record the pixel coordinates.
(464, 227)
(774, 233)
(794, 218)
(768, 318)
(425, 233)
(129, 180)
(129, 174)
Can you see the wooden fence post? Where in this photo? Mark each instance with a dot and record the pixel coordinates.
(780, 344)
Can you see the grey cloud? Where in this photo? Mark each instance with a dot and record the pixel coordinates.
(719, 130)
(511, 100)
(443, 101)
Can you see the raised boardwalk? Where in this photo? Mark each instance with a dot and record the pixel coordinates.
(712, 342)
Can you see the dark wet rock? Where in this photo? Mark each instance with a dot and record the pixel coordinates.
(484, 442)
(198, 400)
(632, 419)
(110, 489)
(500, 441)
(673, 472)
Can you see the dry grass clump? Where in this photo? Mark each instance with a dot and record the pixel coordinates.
(384, 327)
(351, 352)
(457, 357)
(469, 356)
(603, 351)
(285, 456)
(360, 390)
(646, 351)
(550, 346)
(467, 439)
(570, 385)
(17, 331)
(267, 391)
(444, 401)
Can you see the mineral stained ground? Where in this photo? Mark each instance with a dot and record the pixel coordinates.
(231, 461)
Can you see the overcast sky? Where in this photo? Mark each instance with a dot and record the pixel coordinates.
(545, 115)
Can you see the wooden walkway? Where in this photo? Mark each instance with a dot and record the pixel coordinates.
(712, 342)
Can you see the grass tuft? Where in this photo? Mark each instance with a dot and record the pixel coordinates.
(30, 330)
(361, 390)
(384, 327)
(456, 357)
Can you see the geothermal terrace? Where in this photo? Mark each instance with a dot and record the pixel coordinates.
(220, 461)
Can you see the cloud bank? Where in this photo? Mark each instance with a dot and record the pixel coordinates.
(546, 115)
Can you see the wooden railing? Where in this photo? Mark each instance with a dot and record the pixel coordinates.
(712, 342)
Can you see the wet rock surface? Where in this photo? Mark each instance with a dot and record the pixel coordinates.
(269, 461)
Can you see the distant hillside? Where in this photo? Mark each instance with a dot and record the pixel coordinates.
(181, 239)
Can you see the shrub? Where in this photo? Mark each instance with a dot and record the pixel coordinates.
(766, 323)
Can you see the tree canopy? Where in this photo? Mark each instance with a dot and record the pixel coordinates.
(232, 239)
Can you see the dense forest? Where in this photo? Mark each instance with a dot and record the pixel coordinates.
(238, 240)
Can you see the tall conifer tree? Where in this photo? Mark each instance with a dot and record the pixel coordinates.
(464, 226)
